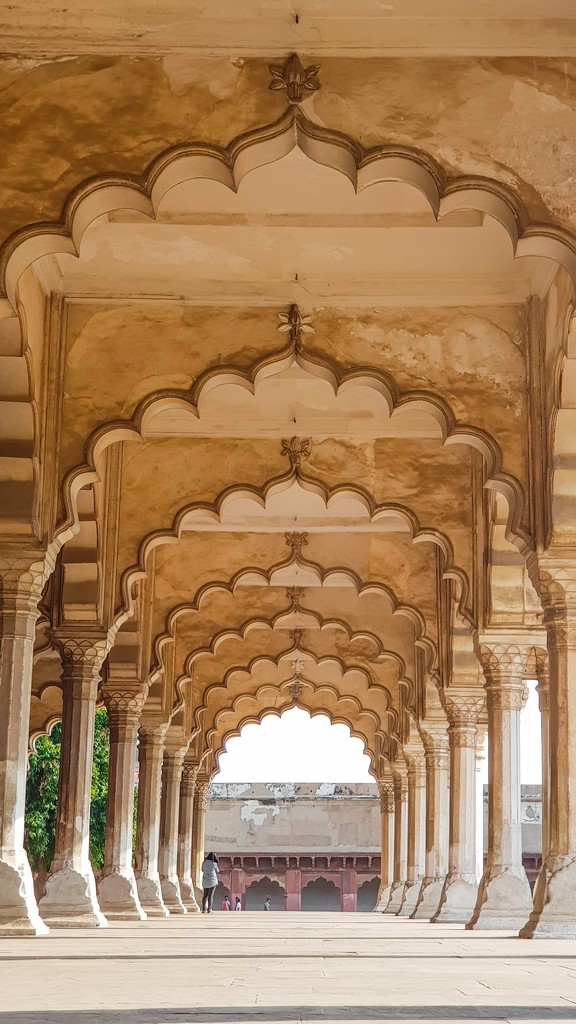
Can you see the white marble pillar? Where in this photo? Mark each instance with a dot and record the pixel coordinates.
(480, 757)
(437, 797)
(400, 841)
(416, 774)
(504, 896)
(554, 911)
(169, 812)
(70, 899)
(185, 831)
(460, 890)
(386, 791)
(117, 891)
(150, 759)
(21, 582)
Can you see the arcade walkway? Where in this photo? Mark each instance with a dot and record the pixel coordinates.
(284, 967)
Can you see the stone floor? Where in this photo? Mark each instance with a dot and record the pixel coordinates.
(284, 967)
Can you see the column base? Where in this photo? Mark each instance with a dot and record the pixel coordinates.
(396, 898)
(411, 893)
(171, 896)
(458, 900)
(188, 897)
(504, 900)
(428, 899)
(383, 899)
(150, 896)
(554, 913)
(71, 901)
(118, 898)
(18, 908)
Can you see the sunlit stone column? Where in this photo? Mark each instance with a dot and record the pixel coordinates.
(169, 813)
(199, 833)
(150, 758)
(386, 791)
(117, 891)
(554, 911)
(504, 897)
(21, 582)
(185, 828)
(461, 887)
(70, 899)
(437, 791)
(480, 755)
(416, 773)
(400, 840)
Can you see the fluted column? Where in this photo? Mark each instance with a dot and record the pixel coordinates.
(169, 812)
(70, 899)
(416, 778)
(21, 582)
(199, 832)
(150, 759)
(460, 890)
(504, 897)
(554, 911)
(400, 840)
(437, 790)
(386, 791)
(185, 827)
(117, 891)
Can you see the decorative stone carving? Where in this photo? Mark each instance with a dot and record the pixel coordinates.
(296, 541)
(296, 636)
(295, 325)
(297, 666)
(296, 448)
(294, 77)
(386, 791)
(295, 691)
(295, 594)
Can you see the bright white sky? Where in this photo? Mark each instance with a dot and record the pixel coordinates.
(298, 748)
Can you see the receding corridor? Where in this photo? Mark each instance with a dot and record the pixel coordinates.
(284, 967)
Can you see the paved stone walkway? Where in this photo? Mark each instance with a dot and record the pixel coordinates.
(259, 967)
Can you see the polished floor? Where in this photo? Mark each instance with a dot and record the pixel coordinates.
(257, 967)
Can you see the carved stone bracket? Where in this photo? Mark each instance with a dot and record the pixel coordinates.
(294, 78)
(296, 448)
(295, 594)
(296, 541)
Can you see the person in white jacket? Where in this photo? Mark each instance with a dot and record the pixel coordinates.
(209, 881)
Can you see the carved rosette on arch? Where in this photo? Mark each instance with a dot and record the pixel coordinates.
(294, 78)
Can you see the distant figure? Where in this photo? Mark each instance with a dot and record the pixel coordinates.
(209, 882)
(226, 903)
(238, 904)
(267, 903)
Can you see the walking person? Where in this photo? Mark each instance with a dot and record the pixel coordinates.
(238, 904)
(267, 903)
(226, 903)
(209, 881)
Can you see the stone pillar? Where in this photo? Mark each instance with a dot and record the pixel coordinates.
(21, 583)
(386, 790)
(543, 703)
(400, 841)
(554, 911)
(460, 890)
(349, 890)
(416, 775)
(480, 740)
(293, 889)
(169, 812)
(185, 827)
(70, 899)
(198, 833)
(437, 790)
(150, 758)
(117, 891)
(504, 897)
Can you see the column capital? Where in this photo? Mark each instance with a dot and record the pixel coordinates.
(82, 658)
(23, 574)
(416, 768)
(153, 729)
(463, 709)
(189, 775)
(435, 748)
(124, 702)
(386, 791)
(202, 789)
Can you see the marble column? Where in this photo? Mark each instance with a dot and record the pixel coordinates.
(169, 813)
(460, 890)
(199, 833)
(437, 794)
(480, 756)
(554, 911)
(185, 829)
(400, 841)
(150, 759)
(504, 897)
(416, 776)
(386, 791)
(70, 899)
(21, 583)
(117, 891)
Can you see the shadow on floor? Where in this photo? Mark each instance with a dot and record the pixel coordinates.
(247, 1015)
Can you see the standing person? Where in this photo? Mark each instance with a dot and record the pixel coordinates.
(226, 903)
(238, 904)
(267, 903)
(209, 881)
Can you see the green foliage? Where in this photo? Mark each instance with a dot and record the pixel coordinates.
(99, 788)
